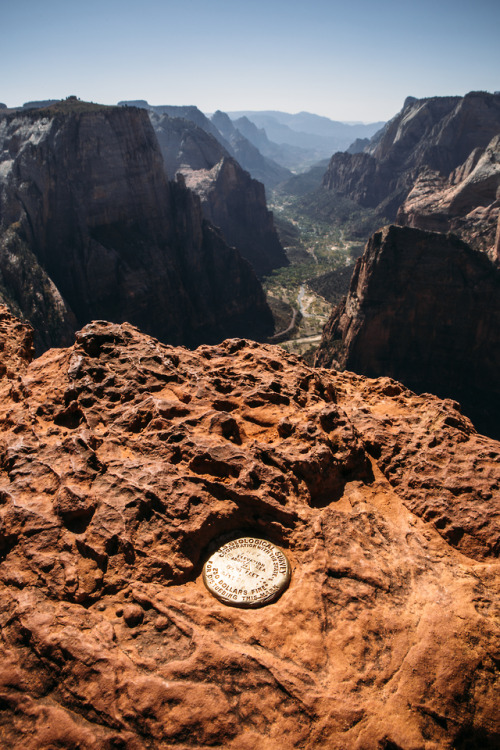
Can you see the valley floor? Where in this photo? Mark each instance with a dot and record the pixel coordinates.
(301, 295)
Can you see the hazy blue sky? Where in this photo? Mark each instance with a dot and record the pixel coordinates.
(353, 60)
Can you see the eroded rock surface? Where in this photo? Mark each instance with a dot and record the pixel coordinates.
(122, 461)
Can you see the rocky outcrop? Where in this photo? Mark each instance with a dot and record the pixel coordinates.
(94, 219)
(467, 202)
(438, 134)
(236, 203)
(123, 461)
(358, 146)
(423, 308)
(184, 145)
(230, 198)
(31, 294)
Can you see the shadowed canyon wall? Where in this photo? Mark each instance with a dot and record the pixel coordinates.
(230, 198)
(423, 308)
(88, 213)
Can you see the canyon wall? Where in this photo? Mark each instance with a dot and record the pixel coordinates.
(467, 202)
(230, 198)
(88, 206)
(445, 137)
(423, 308)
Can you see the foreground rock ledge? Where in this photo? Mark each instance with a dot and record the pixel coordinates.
(122, 460)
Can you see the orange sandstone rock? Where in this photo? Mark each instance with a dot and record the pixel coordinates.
(122, 461)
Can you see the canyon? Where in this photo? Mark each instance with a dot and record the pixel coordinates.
(143, 425)
(227, 135)
(424, 306)
(231, 198)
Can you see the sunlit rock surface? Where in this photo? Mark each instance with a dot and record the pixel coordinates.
(466, 203)
(123, 460)
(439, 134)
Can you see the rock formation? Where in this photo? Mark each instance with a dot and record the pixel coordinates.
(439, 134)
(294, 158)
(467, 202)
(248, 155)
(230, 198)
(235, 202)
(232, 141)
(88, 215)
(184, 145)
(423, 308)
(123, 460)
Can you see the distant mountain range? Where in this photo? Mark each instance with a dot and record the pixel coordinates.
(317, 137)
(270, 144)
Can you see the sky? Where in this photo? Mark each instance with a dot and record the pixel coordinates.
(352, 61)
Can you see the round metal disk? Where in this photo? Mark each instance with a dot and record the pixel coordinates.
(247, 572)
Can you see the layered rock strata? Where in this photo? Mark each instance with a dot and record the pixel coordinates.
(236, 203)
(438, 134)
(467, 202)
(123, 461)
(101, 233)
(423, 308)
